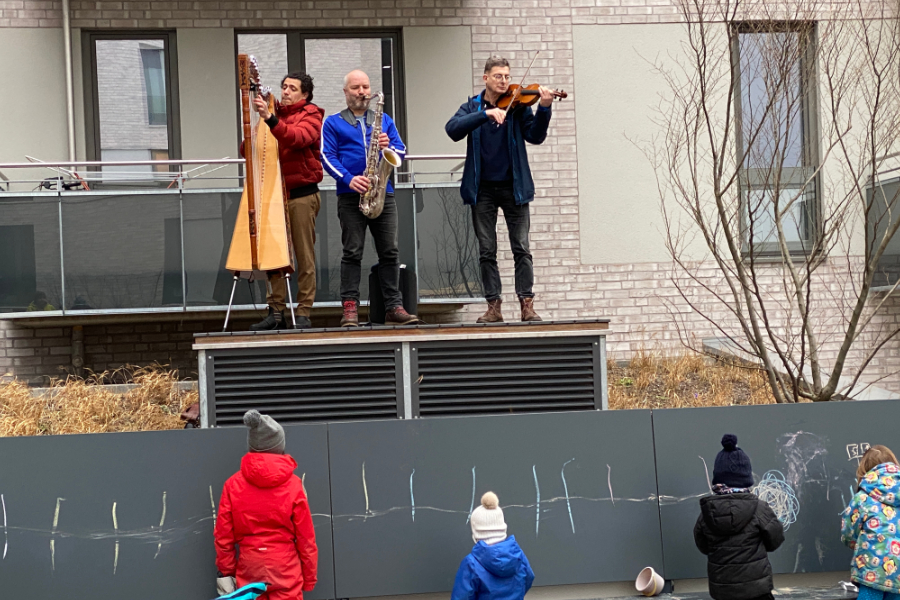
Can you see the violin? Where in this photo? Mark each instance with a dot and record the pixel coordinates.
(527, 95)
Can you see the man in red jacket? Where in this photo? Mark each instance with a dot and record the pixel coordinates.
(264, 531)
(297, 125)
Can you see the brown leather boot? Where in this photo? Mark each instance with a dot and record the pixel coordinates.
(528, 313)
(350, 317)
(399, 316)
(493, 313)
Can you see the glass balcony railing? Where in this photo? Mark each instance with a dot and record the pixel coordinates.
(132, 249)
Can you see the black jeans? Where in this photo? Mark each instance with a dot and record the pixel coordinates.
(353, 238)
(518, 222)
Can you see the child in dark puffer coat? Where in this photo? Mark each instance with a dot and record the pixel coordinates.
(870, 526)
(496, 569)
(736, 530)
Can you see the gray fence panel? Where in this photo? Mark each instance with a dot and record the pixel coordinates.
(79, 551)
(805, 452)
(578, 492)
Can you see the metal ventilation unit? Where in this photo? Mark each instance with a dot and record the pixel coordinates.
(542, 375)
(402, 372)
(295, 385)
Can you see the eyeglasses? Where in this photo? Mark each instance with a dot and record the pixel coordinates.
(499, 77)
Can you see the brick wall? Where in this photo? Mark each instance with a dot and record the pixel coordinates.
(645, 308)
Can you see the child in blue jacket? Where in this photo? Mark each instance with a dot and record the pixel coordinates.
(496, 569)
(870, 526)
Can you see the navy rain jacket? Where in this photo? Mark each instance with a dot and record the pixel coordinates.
(528, 127)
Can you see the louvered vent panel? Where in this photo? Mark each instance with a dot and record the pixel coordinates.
(328, 385)
(492, 377)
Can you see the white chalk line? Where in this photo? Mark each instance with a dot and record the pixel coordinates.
(116, 528)
(412, 497)
(53, 534)
(162, 521)
(705, 468)
(472, 503)
(609, 483)
(566, 490)
(537, 512)
(5, 532)
(365, 487)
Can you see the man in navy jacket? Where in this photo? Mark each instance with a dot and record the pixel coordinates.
(345, 142)
(497, 176)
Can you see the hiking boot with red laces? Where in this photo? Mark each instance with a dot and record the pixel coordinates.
(351, 313)
(399, 316)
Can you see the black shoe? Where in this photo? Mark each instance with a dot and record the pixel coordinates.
(275, 320)
(302, 323)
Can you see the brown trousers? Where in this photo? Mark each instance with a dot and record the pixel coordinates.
(302, 212)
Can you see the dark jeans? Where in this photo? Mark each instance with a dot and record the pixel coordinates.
(353, 237)
(518, 222)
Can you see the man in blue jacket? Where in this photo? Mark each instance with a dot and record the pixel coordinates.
(497, 176)
(345, 142)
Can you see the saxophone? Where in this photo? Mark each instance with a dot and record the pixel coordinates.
(379, 164)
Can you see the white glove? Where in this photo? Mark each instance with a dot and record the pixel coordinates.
(225, 585)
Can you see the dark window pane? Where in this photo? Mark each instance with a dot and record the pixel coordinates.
(29, 254)
(270, 51)
(771, 99)
(121, 251)
(131, 97)
(329, 59)
(447, 248)
(155, 81)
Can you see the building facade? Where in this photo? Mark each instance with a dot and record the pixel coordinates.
(158, 80)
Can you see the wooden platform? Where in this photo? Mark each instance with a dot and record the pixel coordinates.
(384, 372)
(380, 333)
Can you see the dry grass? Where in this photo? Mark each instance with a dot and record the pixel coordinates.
(82, 406)
(690, 380)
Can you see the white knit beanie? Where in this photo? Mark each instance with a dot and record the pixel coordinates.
(487, 521)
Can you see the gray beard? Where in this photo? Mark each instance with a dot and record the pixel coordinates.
(359, 105)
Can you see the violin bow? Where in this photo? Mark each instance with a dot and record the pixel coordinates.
(521, 83)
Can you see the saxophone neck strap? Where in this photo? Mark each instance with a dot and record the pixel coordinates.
(348, 116)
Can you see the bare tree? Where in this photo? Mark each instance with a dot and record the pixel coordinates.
(779, 119)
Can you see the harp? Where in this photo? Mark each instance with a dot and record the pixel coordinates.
(261, 239)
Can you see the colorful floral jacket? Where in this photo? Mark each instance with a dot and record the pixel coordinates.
(870, 528)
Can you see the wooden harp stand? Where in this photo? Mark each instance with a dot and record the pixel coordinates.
(261, 240)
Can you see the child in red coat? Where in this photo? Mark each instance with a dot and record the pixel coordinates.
(264, 531)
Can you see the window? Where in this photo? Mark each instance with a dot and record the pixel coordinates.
(155, 85)
(777, 148)
(328, 56)
(130, 100)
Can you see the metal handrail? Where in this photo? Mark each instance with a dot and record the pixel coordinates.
(186, 161)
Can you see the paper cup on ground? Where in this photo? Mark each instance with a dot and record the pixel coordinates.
(649, 582)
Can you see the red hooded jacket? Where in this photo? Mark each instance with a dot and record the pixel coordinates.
(298, 132)
(264, 530)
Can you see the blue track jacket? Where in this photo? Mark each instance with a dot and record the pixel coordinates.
(496, 572)
(529, 127)
(344, 146)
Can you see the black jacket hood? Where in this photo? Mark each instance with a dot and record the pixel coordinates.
(729, 513)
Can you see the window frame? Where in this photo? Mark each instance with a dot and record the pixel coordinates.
(750, 180)
(296, 60)
(91, 91)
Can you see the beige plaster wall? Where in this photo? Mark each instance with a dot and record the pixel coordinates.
(207, 89)
(438, 63)
(616, 91)
(33, 102)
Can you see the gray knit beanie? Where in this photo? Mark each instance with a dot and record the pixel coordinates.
(265, 434)
(487, 521)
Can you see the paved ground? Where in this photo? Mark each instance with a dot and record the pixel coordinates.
(792, 593)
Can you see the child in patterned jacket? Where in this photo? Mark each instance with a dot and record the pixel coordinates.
(870, 526)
